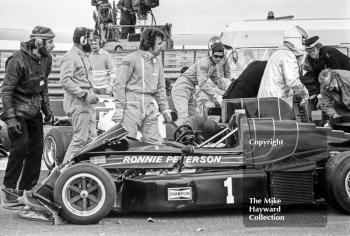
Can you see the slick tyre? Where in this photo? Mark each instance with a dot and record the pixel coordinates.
(56, 143)
(85, 192)
(337, 174)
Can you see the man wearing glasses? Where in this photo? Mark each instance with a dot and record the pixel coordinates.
(207, 73)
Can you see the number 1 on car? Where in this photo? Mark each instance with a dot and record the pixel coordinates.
(230, 199)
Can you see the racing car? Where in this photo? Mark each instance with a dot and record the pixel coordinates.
(260, 150)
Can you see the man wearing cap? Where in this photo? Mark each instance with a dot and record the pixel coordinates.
(24, 96)
(335, 91)
(281, 75)
(79, 98)
(321, 57)
(208, 74)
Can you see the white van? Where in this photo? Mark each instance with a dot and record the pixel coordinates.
(258, 39)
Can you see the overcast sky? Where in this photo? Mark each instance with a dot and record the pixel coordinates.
(187, 16)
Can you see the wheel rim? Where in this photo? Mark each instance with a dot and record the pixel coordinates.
(347, 184)
(83, 194)
(50, 151)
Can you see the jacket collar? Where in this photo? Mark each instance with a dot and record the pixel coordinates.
(80, 52)
(147, 55)
(25, 48)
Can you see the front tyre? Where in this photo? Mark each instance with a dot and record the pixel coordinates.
(85, 192)
(338, 181)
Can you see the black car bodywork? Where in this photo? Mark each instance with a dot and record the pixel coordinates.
(261, 151)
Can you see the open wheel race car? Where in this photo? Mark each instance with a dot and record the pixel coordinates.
(260, 150)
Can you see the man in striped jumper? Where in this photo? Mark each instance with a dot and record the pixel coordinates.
(103, 68)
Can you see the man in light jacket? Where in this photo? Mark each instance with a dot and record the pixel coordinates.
(282, 72)
(209, 75)
(79, 98)
(139, 85)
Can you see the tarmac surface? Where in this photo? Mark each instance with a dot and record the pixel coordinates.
(299, 220)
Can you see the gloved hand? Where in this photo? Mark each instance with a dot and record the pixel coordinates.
(167, 117)
(334, 119)
(109, 90)
(90, 98)
(118, 115)
(304, 101)
(14, 127)
(48, 118)
(305, 97)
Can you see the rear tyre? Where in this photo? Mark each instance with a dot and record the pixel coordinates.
(56, 143)
(337, 173)
(85, 192)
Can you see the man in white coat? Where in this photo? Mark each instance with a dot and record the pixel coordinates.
(282, 73)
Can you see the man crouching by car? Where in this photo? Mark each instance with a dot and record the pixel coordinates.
(24, 95)
(335, 92)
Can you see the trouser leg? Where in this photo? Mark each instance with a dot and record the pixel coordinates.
(181, 94)
(124, 33)
(32, 163)
(131, 119)
(192, 107)
(92, 125)
(81, 129)
(18, 152)
(149, 128)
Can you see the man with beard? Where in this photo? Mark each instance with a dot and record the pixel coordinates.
(139, 85)
(79, 99)
(24, 95)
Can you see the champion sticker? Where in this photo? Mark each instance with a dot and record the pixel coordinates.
(178, 194)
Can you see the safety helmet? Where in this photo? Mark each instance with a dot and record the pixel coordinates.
(215, 45)
(293, 39)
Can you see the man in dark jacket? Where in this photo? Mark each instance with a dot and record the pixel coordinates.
(24, 95)
(247, 84)
(127, 17)
(324, 57)
(319, 58)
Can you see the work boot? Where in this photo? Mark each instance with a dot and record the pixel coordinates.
(11, 196)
